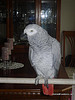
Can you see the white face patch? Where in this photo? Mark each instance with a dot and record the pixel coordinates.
(30, 32)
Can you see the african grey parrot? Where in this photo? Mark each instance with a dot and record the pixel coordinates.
(44, 54)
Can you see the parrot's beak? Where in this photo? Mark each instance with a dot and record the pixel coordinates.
(23, 36)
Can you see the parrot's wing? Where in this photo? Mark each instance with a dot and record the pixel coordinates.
(30, 55)
(56, 54)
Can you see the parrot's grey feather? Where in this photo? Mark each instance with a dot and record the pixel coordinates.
(30, 55)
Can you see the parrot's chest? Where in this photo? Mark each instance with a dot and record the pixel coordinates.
(42, 58)
(42, 52)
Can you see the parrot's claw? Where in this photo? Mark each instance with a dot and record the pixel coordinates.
(46, 82)
(37, 79)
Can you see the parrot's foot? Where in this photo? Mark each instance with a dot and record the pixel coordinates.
(46, 82)
(37, 79)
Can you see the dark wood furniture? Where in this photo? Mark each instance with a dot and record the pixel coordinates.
(29, 92)
(13, 7)
(22, 49)
(70, 35)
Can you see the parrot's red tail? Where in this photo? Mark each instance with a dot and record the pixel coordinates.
(49, 90)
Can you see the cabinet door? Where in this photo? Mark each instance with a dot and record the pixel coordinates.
(49, 17)
(23, 14)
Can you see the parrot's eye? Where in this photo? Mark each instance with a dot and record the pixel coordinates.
(31, 30)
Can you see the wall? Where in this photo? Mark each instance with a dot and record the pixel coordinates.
(67, 20)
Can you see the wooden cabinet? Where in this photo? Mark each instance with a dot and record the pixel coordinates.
(19, 13)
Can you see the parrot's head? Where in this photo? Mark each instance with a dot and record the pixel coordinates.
(30, 30)
(35, 34)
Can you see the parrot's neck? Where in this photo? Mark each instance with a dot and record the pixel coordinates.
(38, 46)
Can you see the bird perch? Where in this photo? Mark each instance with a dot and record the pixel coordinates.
(41, 81)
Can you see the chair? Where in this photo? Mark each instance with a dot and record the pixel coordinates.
(70, 35)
